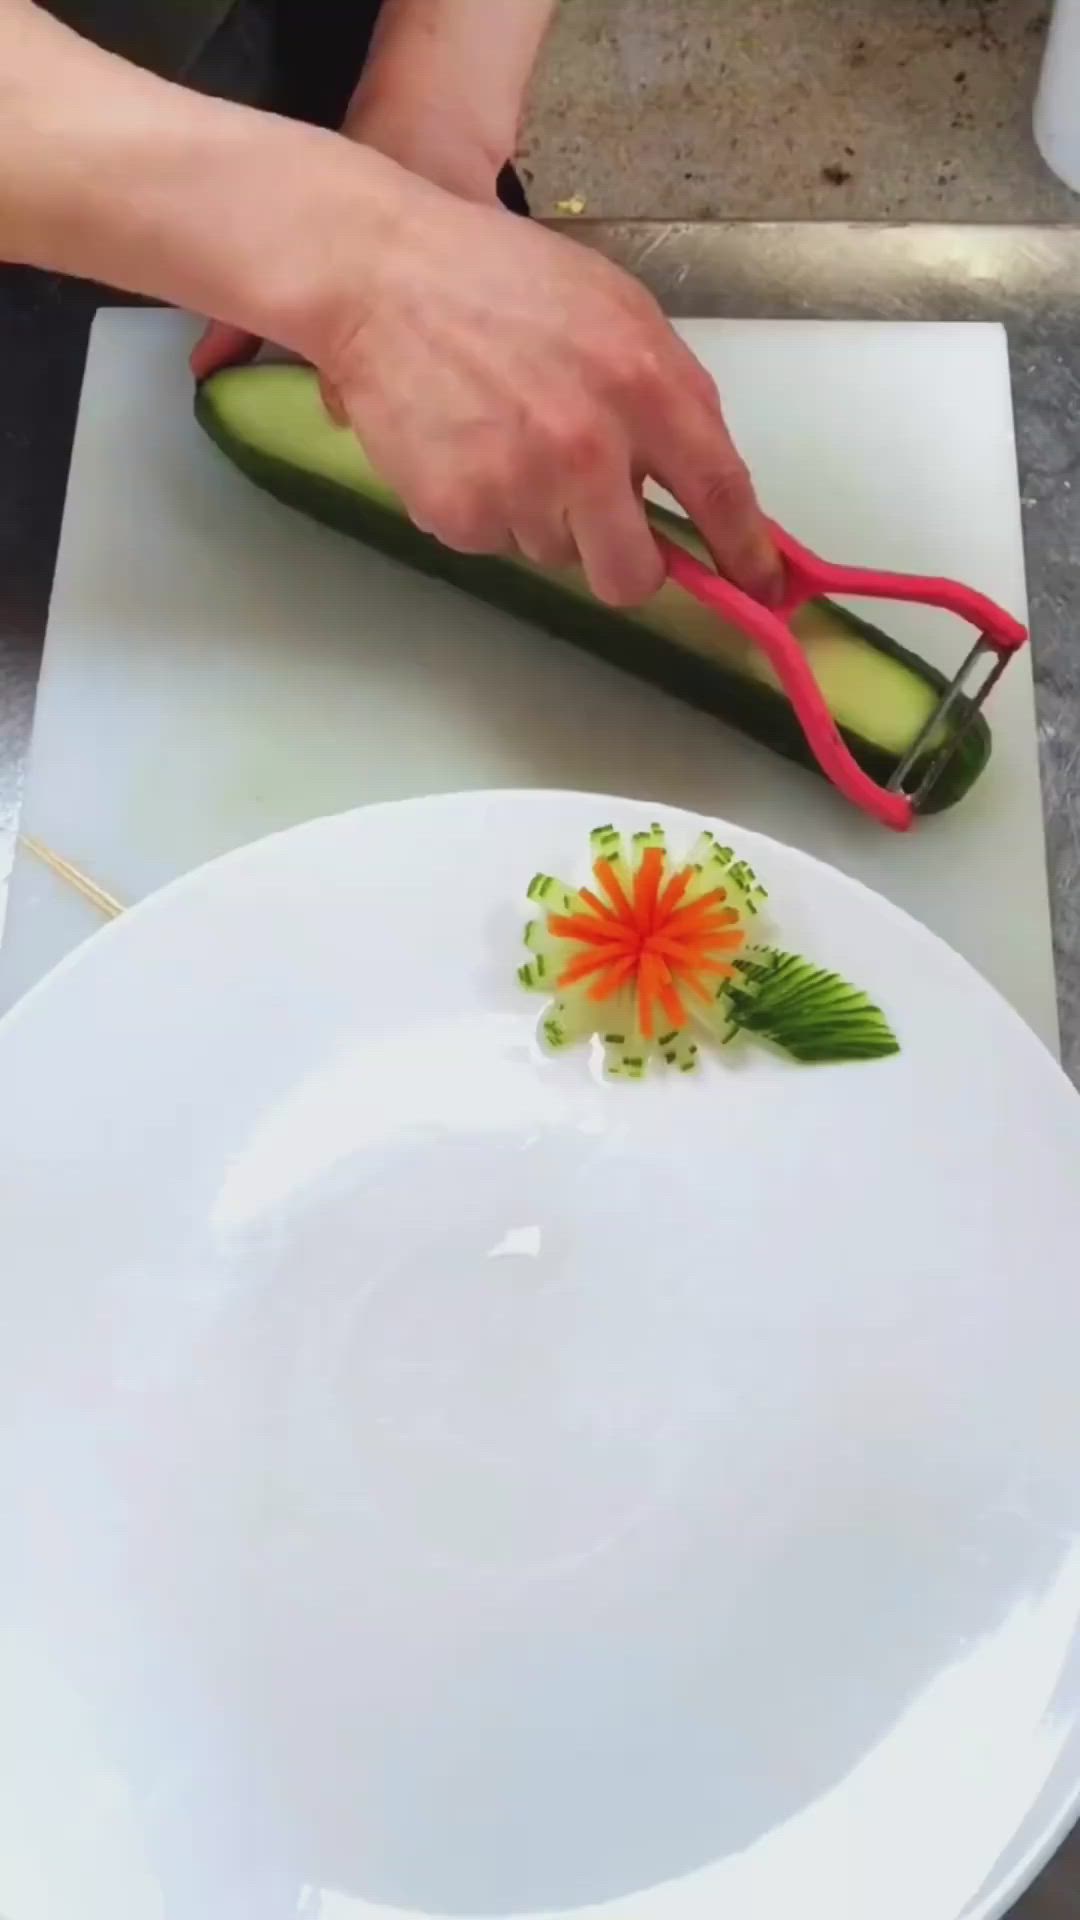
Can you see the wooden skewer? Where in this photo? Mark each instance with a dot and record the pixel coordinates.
(97, 896)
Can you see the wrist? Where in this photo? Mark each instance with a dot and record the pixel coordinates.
(300, 205)
(432, 126)
(435, 143)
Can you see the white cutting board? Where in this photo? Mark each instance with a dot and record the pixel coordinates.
(216, 667)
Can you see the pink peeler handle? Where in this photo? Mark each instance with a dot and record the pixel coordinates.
(808, 576)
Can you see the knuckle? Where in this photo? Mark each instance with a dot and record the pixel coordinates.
(575, 443)
(453, 516)
(703, 388)
(465, 534)
(633, 581)
(502, 486)
(638, 304)
(468, 506)
(556, 552)
(634, 371)
(545, 554)
(489, 464)
(618, 594)
(728, 489)
(696, 380)
(547, 547)
(427, 506)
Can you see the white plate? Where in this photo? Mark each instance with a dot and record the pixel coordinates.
(435, 1478)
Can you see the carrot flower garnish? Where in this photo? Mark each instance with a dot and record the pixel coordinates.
(645, 954)
(665, 951)
(654, 957)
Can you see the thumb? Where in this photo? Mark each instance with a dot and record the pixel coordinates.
(220, 346)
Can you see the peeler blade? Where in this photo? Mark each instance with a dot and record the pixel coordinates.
(984, 648)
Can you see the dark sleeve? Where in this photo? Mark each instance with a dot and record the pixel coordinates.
(167, 36)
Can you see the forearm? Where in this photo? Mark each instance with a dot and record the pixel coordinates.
(111, 173)
(469, 60)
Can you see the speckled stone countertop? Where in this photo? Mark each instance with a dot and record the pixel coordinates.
(793, 109)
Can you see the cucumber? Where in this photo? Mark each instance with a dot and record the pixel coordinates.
(812, 1015)
(270, 422)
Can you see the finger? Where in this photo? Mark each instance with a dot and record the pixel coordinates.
(221, 346)
(547, 542)
(332, 401)
(474, 540)
(622, 561)
(464, 523)
(702, 468)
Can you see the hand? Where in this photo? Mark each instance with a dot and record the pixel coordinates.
(515, 389)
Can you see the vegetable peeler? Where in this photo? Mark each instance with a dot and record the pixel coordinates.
(808, 577)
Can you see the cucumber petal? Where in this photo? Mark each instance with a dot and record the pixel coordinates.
(804, 1010)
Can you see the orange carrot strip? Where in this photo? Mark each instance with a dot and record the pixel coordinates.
(673, 1007)
(674, 891)
(647, 886)
(676, 949)
(599, 907)
(687, 943)
(677, 929)
(705, 903)
(593, 933)
(625, 965)
(612, 886)
(611, 981)
(686, 951)
(647, 987)
(688, 936)
(728, 942)
(583, 967)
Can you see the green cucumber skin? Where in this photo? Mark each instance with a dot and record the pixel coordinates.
(756, 709)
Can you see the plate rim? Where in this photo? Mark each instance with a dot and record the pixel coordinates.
(159, 899)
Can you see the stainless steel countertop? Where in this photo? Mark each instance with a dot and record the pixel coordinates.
(1027, 277)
